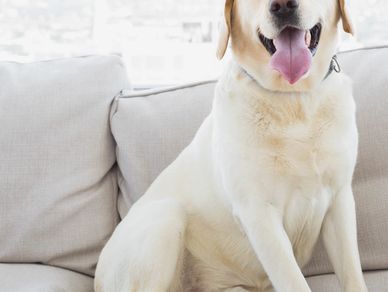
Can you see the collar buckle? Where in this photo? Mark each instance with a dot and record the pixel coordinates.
(334, 66)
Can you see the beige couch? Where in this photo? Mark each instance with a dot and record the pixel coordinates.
(73, 159)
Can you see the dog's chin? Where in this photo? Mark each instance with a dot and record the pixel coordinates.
(291, 52)
(277, 83)
(270, 80)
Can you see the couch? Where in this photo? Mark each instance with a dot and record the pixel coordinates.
(78, 148)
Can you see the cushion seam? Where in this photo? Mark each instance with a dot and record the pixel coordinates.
(146, 93)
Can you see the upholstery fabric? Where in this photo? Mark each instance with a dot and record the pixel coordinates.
(40, 278)
(376, 282)
(58, 184)
(152, 128)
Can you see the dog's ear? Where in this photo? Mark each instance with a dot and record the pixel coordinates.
(345, 16)
(225, 30)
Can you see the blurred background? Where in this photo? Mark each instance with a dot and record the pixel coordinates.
(162, 42)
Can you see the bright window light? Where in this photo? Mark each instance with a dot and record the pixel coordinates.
(162, 42)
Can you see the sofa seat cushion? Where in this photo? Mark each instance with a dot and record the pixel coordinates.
(58, 184)
(40, 278)
(376, 281)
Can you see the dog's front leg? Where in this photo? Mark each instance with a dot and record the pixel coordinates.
(263, 225)
(340, 239)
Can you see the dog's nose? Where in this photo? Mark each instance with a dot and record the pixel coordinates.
(283, 8)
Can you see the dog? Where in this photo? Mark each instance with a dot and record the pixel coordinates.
(269, 170)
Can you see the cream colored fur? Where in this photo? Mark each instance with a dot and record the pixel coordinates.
(242, 206)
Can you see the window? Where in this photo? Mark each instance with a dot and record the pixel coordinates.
(162, 42)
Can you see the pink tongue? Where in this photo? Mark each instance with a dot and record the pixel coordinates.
(292, 58)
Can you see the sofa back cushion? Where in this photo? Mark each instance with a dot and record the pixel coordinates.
(58, 186)
(152, 128)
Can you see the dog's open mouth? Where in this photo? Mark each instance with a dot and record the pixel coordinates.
(292, 51)
(312, 38)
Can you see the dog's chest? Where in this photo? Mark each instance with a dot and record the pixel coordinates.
(295, 142)
(303, 217)
(305, 156)
(295, 157)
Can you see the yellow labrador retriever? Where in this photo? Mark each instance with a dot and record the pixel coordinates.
(271, 168)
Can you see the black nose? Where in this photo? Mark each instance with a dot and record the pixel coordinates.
(283, 8)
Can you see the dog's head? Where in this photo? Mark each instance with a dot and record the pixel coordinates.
(286, 45)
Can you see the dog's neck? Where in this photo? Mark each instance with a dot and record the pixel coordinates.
(333, 67)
